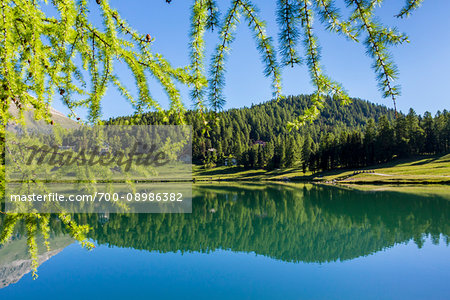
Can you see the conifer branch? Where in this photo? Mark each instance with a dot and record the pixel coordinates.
(217, 80)
(324, 85)
(213, 15)
(197, 45)
(264, 45)
(31, 227)
(287, 18)
(50, 66)
(8, 227)
(410, 6)
(376, 41)
(160, 68)
(329, 15)
(44, 226)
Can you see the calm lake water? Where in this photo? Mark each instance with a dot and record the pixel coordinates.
(280, 241)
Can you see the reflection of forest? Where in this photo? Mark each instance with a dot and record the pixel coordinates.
(301, 223)
(289, 222)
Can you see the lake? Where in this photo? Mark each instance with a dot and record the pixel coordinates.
(250, 241)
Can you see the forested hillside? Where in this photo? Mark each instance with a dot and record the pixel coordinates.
(359, 134)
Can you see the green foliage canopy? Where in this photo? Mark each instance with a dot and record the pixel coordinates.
(43, 55)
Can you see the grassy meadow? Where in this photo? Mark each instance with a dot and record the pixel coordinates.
(424, 169)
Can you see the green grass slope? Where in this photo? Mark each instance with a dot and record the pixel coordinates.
(428, 169)
(434, 169)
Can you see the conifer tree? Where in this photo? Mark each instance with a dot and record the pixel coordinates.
(306, 152)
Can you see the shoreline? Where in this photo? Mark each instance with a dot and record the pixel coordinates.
(269, 179)
(356, 182)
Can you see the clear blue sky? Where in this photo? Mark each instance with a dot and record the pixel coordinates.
(424, 63)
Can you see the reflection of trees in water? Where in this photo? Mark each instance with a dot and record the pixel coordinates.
(310, 224)
(411, 216)
(301, 223)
